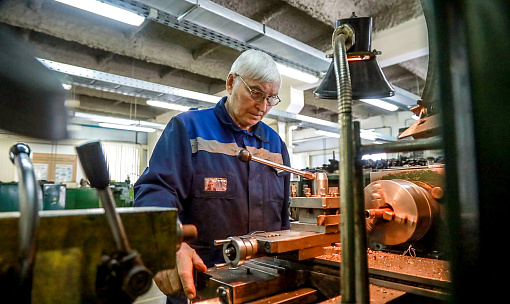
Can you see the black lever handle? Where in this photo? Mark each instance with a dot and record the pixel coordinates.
(94, 165)
(136, 278)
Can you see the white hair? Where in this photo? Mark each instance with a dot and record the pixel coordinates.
(256, 65)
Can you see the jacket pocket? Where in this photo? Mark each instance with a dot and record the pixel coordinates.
(275, 184)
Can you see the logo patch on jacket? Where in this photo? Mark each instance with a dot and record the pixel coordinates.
(215, 184)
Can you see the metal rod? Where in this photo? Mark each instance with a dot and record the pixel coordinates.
(360, 233)
(245, 155)
(403, 146)
(344, 90)
(114, 221)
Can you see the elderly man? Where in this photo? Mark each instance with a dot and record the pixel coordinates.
(194, 168)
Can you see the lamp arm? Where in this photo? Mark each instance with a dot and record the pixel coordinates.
(354, 270)
(344, 93)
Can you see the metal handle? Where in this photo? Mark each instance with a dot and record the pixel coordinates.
(136, 278)
(29, 203)
(94, 165)
(245, 156)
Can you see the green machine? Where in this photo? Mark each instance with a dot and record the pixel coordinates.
(58, 197)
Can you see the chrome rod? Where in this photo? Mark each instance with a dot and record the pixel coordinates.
(403, 146)
(245, 155)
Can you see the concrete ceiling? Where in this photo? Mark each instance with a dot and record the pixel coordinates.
(158, 53)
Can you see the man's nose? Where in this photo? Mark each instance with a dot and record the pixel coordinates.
(262, 105)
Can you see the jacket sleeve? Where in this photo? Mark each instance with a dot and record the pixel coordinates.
(286, 190)
(166, 182)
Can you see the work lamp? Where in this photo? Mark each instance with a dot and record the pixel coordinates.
(367, 78)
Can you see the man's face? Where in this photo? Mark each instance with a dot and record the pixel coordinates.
(242, 108)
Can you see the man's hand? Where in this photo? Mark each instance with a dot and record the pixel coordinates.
(171, 281)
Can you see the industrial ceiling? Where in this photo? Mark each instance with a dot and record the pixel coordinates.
(191, 44)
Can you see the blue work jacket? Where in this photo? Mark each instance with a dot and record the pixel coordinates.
(194, 168)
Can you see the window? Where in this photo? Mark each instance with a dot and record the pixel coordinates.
(123, 160)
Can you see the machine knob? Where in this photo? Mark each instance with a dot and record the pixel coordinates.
(244, 155)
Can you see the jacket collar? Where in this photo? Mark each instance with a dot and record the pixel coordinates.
(222, 114)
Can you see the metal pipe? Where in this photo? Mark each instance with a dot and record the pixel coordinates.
(28, 220)
(403, 146)
(245, 156)
(344, 91)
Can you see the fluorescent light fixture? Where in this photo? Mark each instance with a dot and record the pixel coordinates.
(365, 134)
(368, 135)
(124, 127)
(118, 121)
(296, 74)
(195, 95)
(166, 105)
(106, 119)
(328, 134)
(106, 10)
(381, 104)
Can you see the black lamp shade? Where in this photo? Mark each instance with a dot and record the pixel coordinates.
(367, 78)
(31, 97)
(367, 81)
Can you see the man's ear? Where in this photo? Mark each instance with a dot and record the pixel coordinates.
(230, 83)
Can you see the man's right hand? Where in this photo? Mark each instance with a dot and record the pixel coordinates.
(172, 281)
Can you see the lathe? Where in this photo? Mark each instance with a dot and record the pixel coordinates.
(302, 265)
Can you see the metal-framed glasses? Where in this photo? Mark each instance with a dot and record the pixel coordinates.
(257, 95)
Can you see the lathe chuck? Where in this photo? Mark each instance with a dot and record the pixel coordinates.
(398, 212)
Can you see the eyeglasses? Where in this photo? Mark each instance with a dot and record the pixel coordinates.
(257, 95)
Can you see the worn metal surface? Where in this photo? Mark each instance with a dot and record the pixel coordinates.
(299, 226)
(315, 202)
(70, 244)
(298, 296)
(246, 282)
(322, 276)
(288, 240)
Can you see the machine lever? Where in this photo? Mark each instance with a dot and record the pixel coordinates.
(124, 269)
(245, 156)
(29, 202)
(94, 165)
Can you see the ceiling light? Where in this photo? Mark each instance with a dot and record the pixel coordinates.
(381, 104)
(365, 134)
(296, 74)
(106, 10)
(67, 87)
(124, 127)
(368, 135)
(166, 105)
(195, 95)
(328, 134)
(106, 119)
